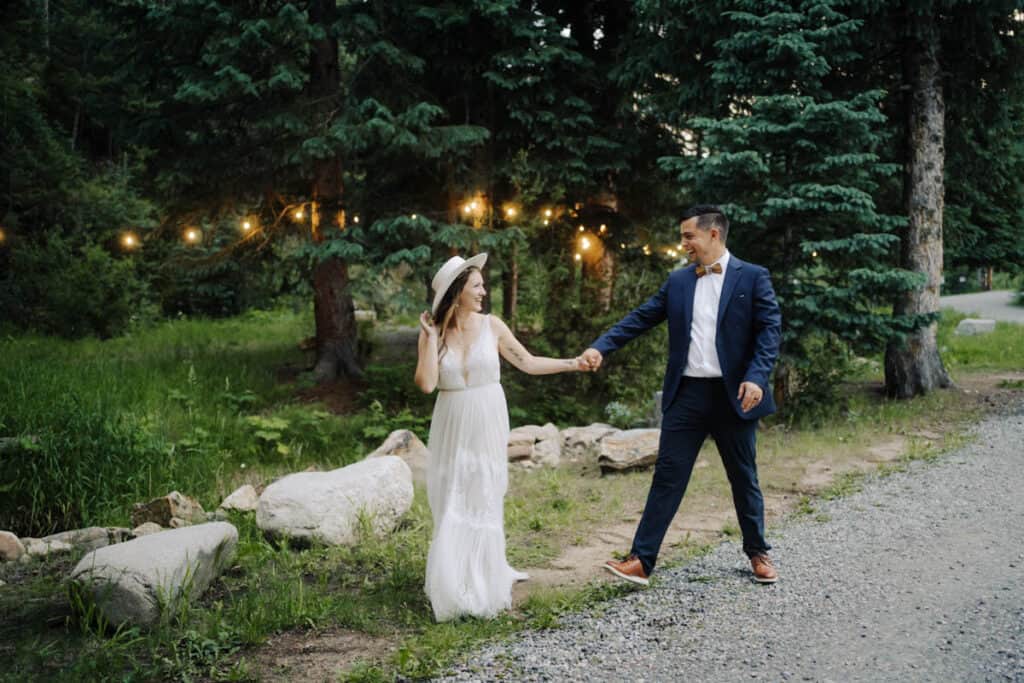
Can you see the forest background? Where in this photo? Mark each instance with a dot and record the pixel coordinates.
(283, 165)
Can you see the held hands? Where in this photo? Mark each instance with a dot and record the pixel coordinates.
(589, 360)
(750, 396)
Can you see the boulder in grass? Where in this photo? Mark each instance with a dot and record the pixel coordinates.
(11, 547)
(628, 450)
(327, 506)
(135, 582)
(173, 506)
(969, 327)
(243, 499)
(407, 446)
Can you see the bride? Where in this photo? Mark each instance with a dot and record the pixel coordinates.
(467, 466)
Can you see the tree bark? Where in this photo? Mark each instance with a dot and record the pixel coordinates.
(914, 366)
(334, 310)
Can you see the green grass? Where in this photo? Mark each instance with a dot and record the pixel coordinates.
(999, 350)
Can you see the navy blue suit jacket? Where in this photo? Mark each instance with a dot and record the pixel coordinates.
(747, 339)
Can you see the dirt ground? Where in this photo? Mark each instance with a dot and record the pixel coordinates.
(324, 655)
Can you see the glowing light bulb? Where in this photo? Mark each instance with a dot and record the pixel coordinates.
(581, 228)
(414, 216)
(603, 227)
(578, 257)
(546, 221)
(129, 240)
(299, 214)
(192, 235)
(355, 219)
(585, 243)
(246, 225)
(547, 213)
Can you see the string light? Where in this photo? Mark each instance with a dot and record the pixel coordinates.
(355, 219)
(246, 226)
(467, 209)
(129, 240)
(546, 221)
(510, 212)
(547, 213)
(621, 245)
(603, 227)
(814, 254)
(578, 257)
(298, 214)
(647, 250)
(581, 228)
(585, 243)
(414, 216)
(192, 235)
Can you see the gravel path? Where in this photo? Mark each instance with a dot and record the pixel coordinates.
(997, 305)
(918, 577)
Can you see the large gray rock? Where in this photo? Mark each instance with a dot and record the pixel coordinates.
(243, 499)
(628, 450)
(969, 327)
(135, 582)
(11, 547)
(326, 506)
(407, 446)
(584, 443)
(533, 433)
(147, 529)
(172, 510)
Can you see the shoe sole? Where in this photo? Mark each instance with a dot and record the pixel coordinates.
(632, 579)
(760, 580)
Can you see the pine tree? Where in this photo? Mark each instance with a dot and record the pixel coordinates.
(792, 152)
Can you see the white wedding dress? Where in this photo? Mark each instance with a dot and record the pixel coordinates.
(467, 475)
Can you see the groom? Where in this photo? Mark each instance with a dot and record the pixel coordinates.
(724, 327)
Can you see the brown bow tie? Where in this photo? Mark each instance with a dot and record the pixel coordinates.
(713, 268)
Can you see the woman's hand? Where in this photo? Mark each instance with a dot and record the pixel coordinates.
(427, 324)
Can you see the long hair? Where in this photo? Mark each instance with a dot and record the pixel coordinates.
(446, 309)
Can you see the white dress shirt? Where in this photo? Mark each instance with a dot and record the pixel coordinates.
(702, 359)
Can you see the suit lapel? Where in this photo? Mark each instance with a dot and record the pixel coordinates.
(732, 276)
(689, 290)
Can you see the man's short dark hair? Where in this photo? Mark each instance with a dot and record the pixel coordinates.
(708, 216)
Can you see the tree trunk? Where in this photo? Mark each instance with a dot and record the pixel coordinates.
(510, 286)
(914, 367)
(334, 310)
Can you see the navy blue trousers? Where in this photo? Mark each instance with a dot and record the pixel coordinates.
(700, 408)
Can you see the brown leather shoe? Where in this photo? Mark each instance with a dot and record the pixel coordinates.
(629, 569)
(764, 570)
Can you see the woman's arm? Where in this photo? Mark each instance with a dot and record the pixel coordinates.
(516, 354)
(426, 365)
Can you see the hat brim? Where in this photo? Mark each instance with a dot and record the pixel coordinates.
(477, 261)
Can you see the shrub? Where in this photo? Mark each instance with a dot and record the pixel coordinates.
(56, 288)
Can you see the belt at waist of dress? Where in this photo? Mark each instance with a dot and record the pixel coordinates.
(475, 386)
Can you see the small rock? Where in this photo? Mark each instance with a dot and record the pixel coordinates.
(162, 510)
(629, 449)
(147, 529)
(969, 327)
(547, 452)
(11, 547)
(37, 547)
(244, 499)
(407, 446)
(583, 443)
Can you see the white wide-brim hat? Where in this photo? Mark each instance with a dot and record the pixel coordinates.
(446, 275)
